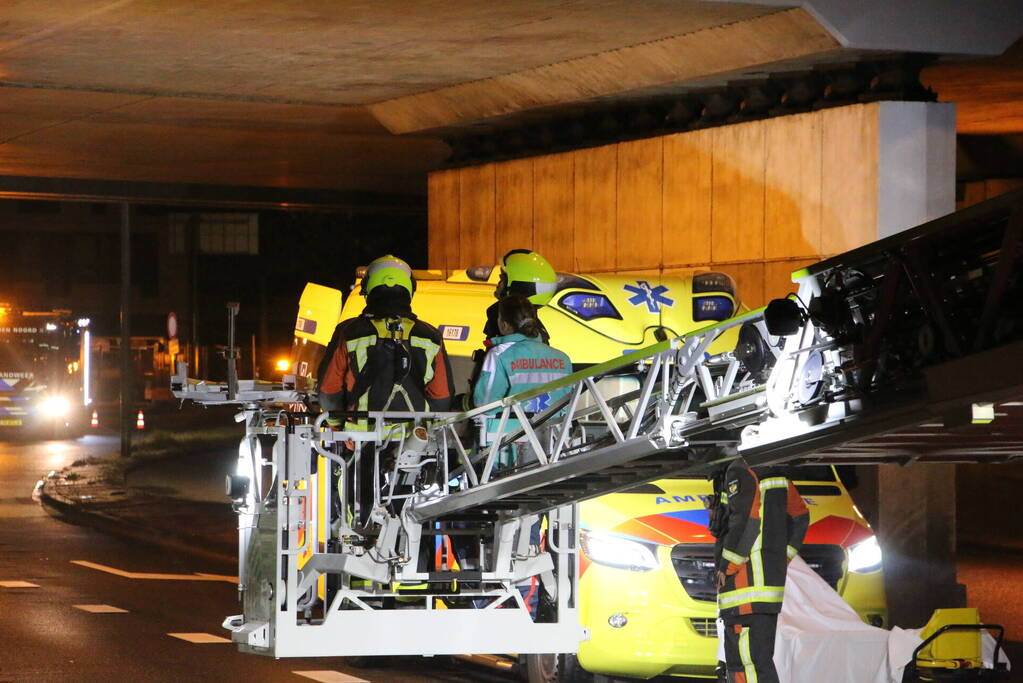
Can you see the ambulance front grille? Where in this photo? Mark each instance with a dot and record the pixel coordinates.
(694, 565)
(826, 559)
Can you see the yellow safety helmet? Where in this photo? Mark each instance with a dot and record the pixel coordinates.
(528, 274)
(389, 271)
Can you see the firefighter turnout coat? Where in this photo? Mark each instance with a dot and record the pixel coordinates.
(766, 522)
(392, 362)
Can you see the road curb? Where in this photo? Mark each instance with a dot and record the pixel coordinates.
(131, 528)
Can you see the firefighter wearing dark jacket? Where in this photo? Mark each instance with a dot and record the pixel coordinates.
(385, 359)
(760, 522)
(527, 274)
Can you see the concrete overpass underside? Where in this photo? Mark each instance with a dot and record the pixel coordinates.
(351, 98)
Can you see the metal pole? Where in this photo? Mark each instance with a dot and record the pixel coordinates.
(126, 379)
(231, 352)
(192, 235)
(263, 327)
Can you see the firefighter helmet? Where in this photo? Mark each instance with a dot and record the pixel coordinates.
(389, 271)
(527, 273)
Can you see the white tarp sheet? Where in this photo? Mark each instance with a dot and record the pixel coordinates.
(821, 638)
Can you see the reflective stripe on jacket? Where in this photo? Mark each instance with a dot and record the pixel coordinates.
(356, 375)
(767, 520)
(517, 363)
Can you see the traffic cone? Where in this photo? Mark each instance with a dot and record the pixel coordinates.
(140, 421)
(95, 419)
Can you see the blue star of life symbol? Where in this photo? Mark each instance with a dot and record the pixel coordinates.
(653, 297)
(539, 403)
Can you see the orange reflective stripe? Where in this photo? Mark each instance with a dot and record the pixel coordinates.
(444, 558)
(795, 506)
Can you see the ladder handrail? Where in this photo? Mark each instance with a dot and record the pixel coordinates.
(606, 367)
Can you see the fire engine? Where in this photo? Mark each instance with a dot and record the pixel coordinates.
(880, 351)
(45, 370)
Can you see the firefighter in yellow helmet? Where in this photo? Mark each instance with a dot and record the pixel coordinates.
(527, 274)
(384, 359)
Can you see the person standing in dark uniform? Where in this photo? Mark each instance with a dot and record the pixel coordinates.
(527, 274)
(759, 521)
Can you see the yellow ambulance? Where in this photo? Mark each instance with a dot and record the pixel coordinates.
(646, 588)
(591, 317)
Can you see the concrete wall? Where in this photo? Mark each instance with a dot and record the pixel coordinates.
(757, 200)
(981, 190)
(917, 532)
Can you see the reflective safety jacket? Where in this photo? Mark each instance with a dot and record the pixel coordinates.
(490, 331)
(517, 363)
(392, 362)
(766, 522)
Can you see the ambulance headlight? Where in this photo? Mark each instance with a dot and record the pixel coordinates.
(614, 551)
(712, 308)
(54, 406)
(865, 556)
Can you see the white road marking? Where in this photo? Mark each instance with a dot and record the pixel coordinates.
(101, 609)
(330, 677)
(17, 584)
(199, 638)
(155, 577)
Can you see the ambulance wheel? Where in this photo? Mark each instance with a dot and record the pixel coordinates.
(552, 668)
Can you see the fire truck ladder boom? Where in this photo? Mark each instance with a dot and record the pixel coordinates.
(897, 334)
(588, 444)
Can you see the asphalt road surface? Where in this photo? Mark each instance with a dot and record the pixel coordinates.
(60, 626)
(77, 605)
(992, 578)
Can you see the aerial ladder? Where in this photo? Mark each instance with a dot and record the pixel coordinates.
(908, 349)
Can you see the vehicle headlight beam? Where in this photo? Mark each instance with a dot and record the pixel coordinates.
(54, 406)
(615, 551)
(865, 557)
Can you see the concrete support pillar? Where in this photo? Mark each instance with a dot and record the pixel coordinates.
(917, 524)
(916, 164)
(916, 505)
